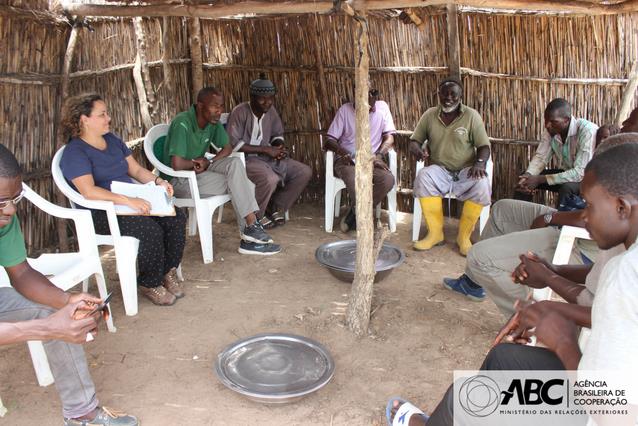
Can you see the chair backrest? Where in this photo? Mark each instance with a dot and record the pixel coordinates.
(151, 137)
(75, 198)
(86, 237)
(70, 193)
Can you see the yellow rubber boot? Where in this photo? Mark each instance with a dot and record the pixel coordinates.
(432, 208)
(471, 213)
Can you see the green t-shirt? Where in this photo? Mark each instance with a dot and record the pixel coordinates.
(453, 146)
(12, 250)
(185, 139)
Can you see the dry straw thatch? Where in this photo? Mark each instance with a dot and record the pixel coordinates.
(511, 66)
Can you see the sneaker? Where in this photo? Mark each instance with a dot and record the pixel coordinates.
(172, 284)
(107, 417)
(465, 286)
(248, 247)
(255, 234)
(158, 295)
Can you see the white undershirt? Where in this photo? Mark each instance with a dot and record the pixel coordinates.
(257, 133)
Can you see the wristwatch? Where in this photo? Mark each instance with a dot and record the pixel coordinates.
(547, 218)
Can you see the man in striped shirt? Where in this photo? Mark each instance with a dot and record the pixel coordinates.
(568, 138)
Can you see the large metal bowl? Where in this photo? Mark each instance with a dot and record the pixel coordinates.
(275, 368)
(339, 258)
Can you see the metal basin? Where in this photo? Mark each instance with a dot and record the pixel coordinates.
(339, 258)
(275, 368)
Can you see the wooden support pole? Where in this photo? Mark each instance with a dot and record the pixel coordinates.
(358, 314)
(142, 77)
(453, 45)
(59, 136)
(322, 90)
(168, 71)
(195, 41)
(213, 11)
(628, 95)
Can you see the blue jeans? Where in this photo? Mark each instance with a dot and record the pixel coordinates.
(67, 360)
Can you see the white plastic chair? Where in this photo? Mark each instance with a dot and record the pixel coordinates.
(566, 239)
(200, 209)
(65, 270)
(417, 213)
(334, 186)
(125, 247)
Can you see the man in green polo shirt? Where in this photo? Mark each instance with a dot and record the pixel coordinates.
(35, 309)
(452, 136)
(189, 138)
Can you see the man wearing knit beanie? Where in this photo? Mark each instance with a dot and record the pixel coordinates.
(255, 128)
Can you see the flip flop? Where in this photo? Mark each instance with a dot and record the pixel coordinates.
(278, 218)
(404, 413)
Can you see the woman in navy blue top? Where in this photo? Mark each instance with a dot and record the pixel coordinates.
(93, 158)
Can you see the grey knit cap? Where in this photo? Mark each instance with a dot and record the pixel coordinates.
(262, 86)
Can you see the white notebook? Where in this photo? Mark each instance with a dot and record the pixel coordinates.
(161, 202)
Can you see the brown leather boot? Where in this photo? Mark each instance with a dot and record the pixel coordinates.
(158, 295)
(172, 284)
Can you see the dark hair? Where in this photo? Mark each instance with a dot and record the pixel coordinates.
(616, 140)
(560, 106)
(9, 167)
(203, 94)
(451, 80)
(73, 109)
(616, 168)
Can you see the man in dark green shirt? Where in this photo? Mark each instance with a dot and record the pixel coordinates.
(35, 309)
(189, 138)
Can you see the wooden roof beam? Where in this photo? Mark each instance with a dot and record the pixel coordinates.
(325, 6)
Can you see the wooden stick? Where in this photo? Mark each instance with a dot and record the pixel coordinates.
(194, 36)
(358, 314)
(63, 92)
(149, 93)
(628, 95)
(322, 91)
(52, 79)
(453, 47)
(141, 93)
(326, 6)
(168, 72)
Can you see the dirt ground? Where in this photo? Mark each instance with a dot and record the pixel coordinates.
(159, 364)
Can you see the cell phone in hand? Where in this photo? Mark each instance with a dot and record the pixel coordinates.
(102, 306)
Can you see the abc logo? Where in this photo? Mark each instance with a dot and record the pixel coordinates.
(479, 396)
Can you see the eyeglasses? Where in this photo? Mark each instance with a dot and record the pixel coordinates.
(373, 92)
(16, 200)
